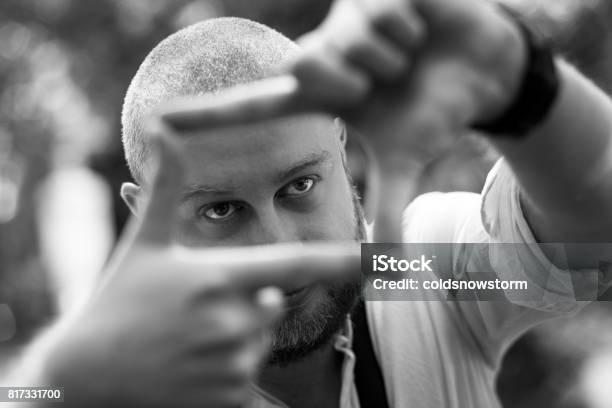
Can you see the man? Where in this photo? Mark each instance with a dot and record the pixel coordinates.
(193, 337)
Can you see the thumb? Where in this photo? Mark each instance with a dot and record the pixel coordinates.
(164, 188)
(392, 194)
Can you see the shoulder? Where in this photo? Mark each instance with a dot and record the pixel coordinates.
(441, 217)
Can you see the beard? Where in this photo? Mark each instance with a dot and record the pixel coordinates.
(302, 332)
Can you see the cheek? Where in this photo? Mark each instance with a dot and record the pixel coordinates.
(189, 232)
(188, 235)
(335, 218)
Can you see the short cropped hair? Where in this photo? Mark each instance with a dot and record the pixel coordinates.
(200, 59)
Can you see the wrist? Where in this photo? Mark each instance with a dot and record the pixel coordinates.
(509, 69)
(539, 84)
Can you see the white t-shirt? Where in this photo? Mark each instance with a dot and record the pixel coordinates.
(446, 354)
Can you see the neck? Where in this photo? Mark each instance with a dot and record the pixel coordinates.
(313, 381)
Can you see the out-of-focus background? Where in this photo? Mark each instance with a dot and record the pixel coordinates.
(64, 68)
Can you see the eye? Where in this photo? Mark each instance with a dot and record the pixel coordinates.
(298, 187)
(219, 211)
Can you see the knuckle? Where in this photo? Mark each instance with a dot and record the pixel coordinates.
(360, 45)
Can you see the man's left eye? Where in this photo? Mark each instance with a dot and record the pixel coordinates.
(299, 186)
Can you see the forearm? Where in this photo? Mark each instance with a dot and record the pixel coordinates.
(565, 166)
(27, 370)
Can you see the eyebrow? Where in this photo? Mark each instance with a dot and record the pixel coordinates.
(197, 189)
(311, 160)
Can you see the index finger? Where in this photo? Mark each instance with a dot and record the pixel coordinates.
(315, 84)
(243, 104)
(300, 265)
(286, 266)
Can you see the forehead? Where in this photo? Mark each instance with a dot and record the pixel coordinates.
(258, 151)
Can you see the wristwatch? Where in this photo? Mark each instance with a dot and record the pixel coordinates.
(538, 91)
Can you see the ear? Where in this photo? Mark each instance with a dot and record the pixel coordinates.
(132, 196)
(341, 131)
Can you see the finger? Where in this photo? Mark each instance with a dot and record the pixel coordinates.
(242, 104)
(230, 317)
(235, 362)
(317, 84)
(163, 190)
(328, 83)
(399, 176)
(348, 35)
(393, 193)
(441, 109)
(376, 55)
(285, 266)
(293, 266)
(199, 391)
(397, 20)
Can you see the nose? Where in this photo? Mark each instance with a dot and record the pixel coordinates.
(271, 226)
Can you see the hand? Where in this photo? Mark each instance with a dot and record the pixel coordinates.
(450, 64)
(469, 48)
(181, 328)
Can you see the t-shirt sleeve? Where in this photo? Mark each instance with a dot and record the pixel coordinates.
(550, 288)
(495, 218)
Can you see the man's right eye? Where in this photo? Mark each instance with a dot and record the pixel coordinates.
(219, 211)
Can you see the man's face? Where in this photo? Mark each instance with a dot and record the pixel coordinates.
(281, 181)
(275, 182)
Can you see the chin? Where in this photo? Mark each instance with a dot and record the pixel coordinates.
(314, 315)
